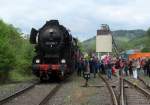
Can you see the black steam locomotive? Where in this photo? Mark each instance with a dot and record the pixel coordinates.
(55, 51)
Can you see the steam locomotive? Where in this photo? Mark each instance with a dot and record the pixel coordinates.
(55, 51)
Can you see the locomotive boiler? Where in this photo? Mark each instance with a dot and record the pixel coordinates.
(55, 51)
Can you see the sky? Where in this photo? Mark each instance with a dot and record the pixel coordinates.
(82, 17)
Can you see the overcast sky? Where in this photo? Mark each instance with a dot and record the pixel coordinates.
(82, 17)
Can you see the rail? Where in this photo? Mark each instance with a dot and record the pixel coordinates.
(114, 98)
(122, 102)
(50, 94)
(54, 91)
(17, 93)
(139, 88)
(146, 84)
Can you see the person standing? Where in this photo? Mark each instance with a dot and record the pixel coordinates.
(126, 68)
(135, 69)
(109, 70)
(86, 66)
(79, 68)
(145, 67)
(102, 67)
(83, 65)
(121, 67)
(138, 66)
(90, 64)
(113, 69)
(97, 65)
(148, 67)
(142, 63)
(117, 66)
(130, 67)
(93, 64)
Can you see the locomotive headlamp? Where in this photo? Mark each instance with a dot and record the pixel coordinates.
(63, 61)
(51, 30)
(37, 61)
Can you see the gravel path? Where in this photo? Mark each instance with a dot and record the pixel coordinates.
(72, 93)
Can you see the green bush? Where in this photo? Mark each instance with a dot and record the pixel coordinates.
(15, 53)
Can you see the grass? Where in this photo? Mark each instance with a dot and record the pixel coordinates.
(18, 77)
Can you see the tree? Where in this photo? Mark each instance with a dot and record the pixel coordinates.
(16, 53)
(146, 49)
(148, 32)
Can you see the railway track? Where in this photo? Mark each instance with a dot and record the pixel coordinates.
(36, 94)
(122, 98)
(132, 94)
(50, 95)
(146, 85)
(43, 94)
(115, 83)
(111, 91)
(140, 84)
(17, 93)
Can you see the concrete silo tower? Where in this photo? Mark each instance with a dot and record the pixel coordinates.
(104, 39)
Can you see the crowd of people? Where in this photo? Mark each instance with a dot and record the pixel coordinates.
(137, 67)
(114, 66)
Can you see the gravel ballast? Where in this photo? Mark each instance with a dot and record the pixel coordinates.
(32, 97)
(73, 93)
(9, 89)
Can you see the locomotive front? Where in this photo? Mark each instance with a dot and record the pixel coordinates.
(53, 47)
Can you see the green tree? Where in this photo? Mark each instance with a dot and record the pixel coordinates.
(148, 32)
(15, 53)
(145, 49)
